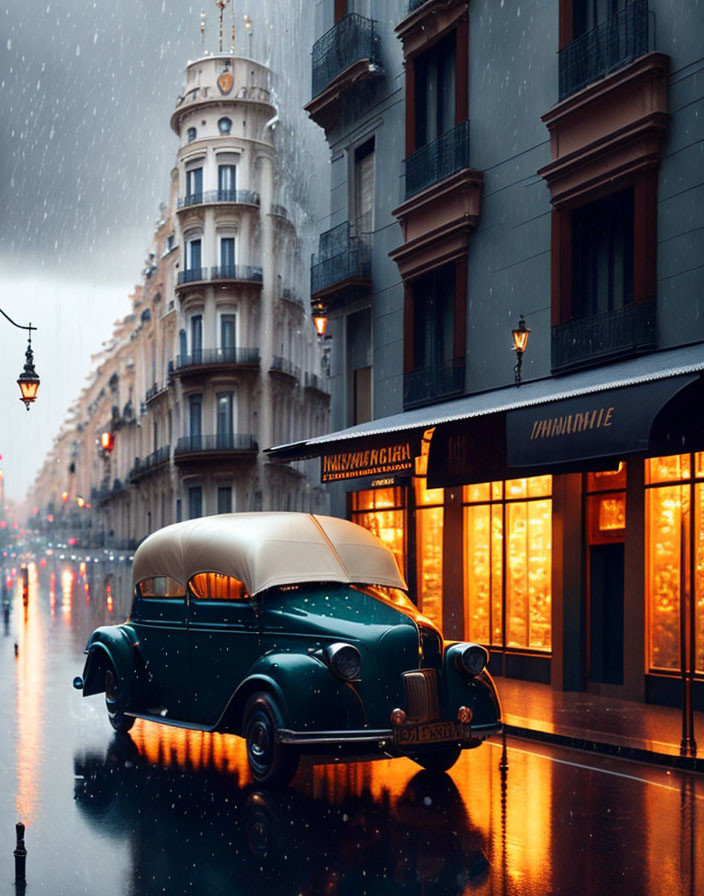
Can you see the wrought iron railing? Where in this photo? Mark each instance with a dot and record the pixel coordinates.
(433, 383)
(437, 160)
(340, 257)
(245, 197)
(612, 334)
(237, 272)
(279, 210)
(621, 38)
(351, 39)
(192, 275)
(283, 365)
(142, 466)
(248, 357)
(223, 442)
(313, 381)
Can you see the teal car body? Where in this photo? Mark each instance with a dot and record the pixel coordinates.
(306, 665)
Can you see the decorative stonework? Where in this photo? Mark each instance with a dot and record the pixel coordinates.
(430, 20)
(607, 132)
(437, 222)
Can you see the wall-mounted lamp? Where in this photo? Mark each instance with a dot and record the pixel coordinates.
(520, 342)
(320, 320)
(107, 442)
(28, 380)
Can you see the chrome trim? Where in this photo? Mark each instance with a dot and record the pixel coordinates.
(286, 736)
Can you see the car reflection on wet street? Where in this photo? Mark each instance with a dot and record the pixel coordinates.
(165, 810)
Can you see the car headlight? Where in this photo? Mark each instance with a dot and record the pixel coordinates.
(473, 659)
(344, 660)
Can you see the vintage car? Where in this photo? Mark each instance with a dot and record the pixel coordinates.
(295, 632)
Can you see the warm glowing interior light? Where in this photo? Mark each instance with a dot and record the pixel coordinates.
(107, 441)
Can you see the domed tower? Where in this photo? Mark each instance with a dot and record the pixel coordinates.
(245, 354)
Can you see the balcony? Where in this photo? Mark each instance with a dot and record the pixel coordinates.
(150, 464)
(433, 383)
(437, 160)
(192, 275)
(285, 368)
(344, 58)
(229, 197)
(604, 337)
(342, 265)
(317, 384)
(153, 392)
(442, 204)
(231, 357)
(288, 295)
(623, 37)
(209, 448)
(240, 273)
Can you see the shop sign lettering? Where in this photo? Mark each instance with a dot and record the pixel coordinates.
(552, 427)
(368, 462)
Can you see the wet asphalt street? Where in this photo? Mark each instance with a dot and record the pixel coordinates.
(168, 811)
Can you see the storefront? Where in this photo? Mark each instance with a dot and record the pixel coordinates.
(559, 523)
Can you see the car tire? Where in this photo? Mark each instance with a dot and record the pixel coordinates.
(114, 702)
(438, 760)
(272, 763)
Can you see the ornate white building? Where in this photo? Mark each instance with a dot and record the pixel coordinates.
(216, 361)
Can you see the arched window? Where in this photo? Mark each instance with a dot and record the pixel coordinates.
(191, 135)
(225, 125)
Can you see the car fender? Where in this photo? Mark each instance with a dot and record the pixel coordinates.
(308, 695)
(115, 645)
(477, 692)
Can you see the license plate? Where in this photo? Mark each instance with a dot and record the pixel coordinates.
(430, 733)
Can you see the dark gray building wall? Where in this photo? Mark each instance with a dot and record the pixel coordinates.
(512, 81)
(679, 26)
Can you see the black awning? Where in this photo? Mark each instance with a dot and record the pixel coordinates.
(608, 424)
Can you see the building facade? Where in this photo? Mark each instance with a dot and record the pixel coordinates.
(217, 359)
(493, 163)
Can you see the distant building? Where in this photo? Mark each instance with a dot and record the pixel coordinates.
(217, 360)
(497, 160)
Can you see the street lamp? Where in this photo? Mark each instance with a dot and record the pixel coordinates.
(520, 341)
(320, 320)
(28, 380)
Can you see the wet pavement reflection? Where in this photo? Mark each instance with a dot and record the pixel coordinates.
(164, 810)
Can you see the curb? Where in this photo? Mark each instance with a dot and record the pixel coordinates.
(620, 751)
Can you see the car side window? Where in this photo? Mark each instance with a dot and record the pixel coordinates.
(161, 586)
(215, 586)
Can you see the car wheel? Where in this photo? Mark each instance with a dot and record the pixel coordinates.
(438, 760)
(271, 763)
(114, 702)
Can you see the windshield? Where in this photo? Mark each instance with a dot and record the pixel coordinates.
(353, 603)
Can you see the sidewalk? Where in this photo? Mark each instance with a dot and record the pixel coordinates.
(622, 728)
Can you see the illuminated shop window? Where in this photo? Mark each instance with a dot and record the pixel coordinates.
(429, 544)
(606, 506)
(382, 512)
(508, 562)
(674, 544)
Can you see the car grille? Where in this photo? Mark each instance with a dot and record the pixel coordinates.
(422, 695)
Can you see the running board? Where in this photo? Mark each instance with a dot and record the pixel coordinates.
(174, 723)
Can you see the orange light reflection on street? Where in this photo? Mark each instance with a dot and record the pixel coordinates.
(29, 712)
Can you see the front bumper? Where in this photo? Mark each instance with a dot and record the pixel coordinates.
(381, 738)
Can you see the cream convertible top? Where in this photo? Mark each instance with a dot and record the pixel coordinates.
(267, 549)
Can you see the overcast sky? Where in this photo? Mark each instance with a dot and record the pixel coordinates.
(85, 154)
